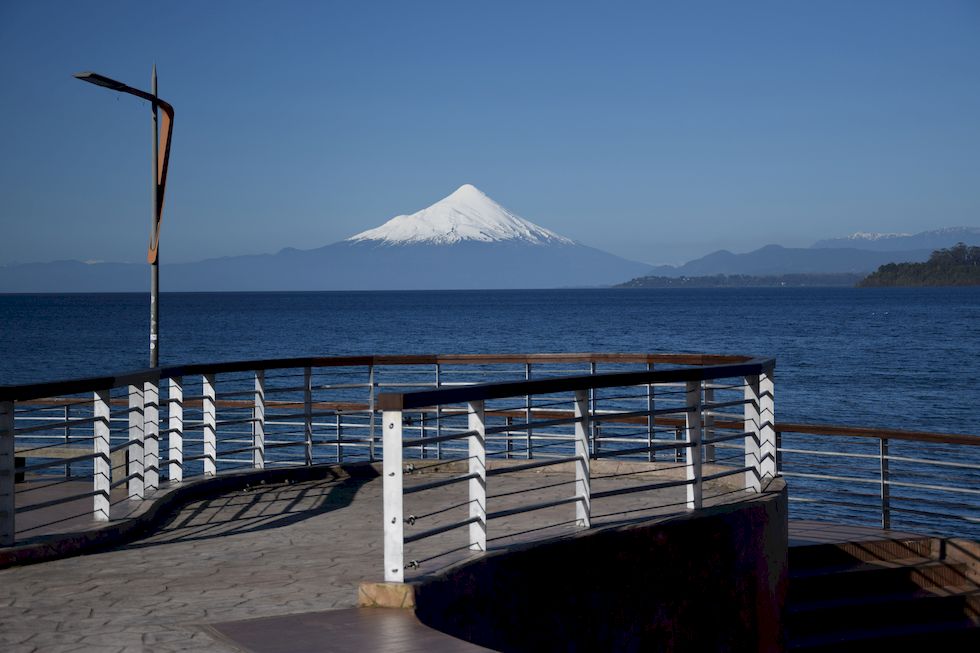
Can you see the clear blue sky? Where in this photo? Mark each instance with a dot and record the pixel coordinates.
(658, 131)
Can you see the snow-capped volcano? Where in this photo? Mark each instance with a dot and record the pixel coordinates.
(465, 241)
(465, 215)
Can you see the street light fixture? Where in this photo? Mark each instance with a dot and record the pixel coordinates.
(161, 158)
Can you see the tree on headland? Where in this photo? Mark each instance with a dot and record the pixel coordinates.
(956, 266)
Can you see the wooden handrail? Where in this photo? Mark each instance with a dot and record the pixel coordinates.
(32, 391)
(881, 434)
(487, 391)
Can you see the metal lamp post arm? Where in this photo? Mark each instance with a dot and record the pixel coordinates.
(163, 156)
(163, 160)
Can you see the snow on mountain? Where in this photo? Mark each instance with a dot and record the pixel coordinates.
(468, 214)
(879, 242)
(465, 241)
(870, 235)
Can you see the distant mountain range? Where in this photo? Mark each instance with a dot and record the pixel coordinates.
(468, 241)
(842, 279)
(860, 253)
(930, 240)
(774, 260)
(464, 241)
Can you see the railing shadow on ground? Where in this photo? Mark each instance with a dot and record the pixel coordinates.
(204, 519)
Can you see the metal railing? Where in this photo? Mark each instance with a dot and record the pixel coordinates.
(917, 481)
(577, 402)
(109, 440)
(82, 449)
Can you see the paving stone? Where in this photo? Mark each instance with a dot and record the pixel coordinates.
(19, 648)
(272, 551)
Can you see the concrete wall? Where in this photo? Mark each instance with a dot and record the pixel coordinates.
(711, 581)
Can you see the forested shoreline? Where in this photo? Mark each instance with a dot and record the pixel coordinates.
(956, 266)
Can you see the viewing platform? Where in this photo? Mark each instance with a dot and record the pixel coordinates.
(305, 488)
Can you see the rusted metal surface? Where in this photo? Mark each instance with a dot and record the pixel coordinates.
(163, 164)
(869, 432)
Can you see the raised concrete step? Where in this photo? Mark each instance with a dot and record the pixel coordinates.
(880, 613)
(821, 557)
(953, 635)
(872, 579)
(849, 596)
(356, 630)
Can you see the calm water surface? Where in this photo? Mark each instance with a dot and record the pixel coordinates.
(882, 357)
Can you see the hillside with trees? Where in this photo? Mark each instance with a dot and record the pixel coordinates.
(956, 266)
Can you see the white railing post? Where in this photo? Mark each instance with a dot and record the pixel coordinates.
(340, 436)
(137, 440)
(693, 424)
(583, 486)
(886, 513)
(478, 465)
(8, 472)
(767, 426)
(753, 434)
(175, 429)
(371, 389)
(651, 418)
(151, 435)
(529, 454)
(210, 429)
(68, 436)
(438, 413)
(258, 422)
(308, 414)
(593, 401)
(102, 467)
(391, 468)
(708, 431)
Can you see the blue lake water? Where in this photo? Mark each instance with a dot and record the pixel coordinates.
(902, 358)
(879, 357)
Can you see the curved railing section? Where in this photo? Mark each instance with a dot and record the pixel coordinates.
(584, 419)
(87, 450)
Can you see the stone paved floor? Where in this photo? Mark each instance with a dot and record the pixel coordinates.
(272, 550)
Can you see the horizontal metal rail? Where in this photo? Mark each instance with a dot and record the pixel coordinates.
(54, 502)
(857, 479)
(877, 433)
(523, 467)
(612, 453)
(506, 389)
(542, 505)
(432, 485)
(438, 530)
(416, 442)
(640, 488)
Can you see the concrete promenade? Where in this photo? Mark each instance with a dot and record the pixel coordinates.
(270, 551)
(275, 549)
(281, 549)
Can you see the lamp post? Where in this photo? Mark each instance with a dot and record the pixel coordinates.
(161, 157)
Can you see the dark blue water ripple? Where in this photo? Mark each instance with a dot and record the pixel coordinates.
(882, 357)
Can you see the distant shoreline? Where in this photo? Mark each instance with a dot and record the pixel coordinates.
(955, 266)
(832, 280)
